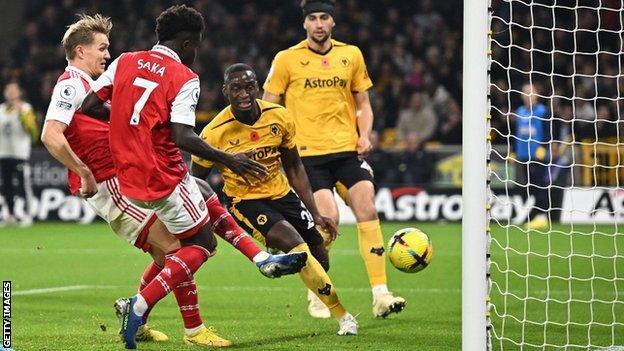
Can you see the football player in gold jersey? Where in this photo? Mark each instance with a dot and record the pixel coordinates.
(324, 85)
(268, 207)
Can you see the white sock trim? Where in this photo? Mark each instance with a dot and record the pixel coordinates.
(140, 306)
(381, 289)
(194, 330)
(261, 256)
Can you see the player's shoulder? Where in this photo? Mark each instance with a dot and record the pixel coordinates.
(222, 118)
(339, 46)
(69, 85)
(273, 113)
(293, 50)
(271, 108)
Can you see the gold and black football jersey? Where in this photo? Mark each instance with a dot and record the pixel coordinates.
(272, 131)
(318, 91)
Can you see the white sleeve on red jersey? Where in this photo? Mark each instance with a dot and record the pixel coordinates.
(66, 99)
(184, 104)
(103, 86)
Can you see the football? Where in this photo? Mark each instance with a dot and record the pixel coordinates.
(410, 250)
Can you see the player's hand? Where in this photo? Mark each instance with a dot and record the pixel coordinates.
(328, 225)
(364, 146)
(88, 185)
(243, 165)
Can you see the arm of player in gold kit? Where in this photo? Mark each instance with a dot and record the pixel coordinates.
(56, 143)
(364, 113)
(276, 99)
(298, 179)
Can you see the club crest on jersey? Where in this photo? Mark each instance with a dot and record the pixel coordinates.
(202, 205)
(254, 136)
(262, 219)
(324, 62)
(68, 92)
(344, 61)
(275, 129)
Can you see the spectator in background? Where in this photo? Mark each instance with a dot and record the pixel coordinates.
(414, 165)
(439, 96)
(18, 128)
(418, 118)
(531, 135)
(450, 130)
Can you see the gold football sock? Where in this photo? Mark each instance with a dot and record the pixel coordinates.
(317, 280)
(372, 251)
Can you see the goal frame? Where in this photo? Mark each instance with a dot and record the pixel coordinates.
(475, 121)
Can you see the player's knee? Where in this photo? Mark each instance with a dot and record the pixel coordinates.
(203, 238)
(320, 253)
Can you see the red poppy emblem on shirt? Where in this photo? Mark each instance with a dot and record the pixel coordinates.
(324, 62)
(254, 136)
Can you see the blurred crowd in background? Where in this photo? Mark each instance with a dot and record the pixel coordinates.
(412, 50)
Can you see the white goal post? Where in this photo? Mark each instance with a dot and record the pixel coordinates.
(543, 175)
(474, 175)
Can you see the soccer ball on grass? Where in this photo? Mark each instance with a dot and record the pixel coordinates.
(410, 250)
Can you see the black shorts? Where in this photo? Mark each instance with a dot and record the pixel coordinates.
(345, 167)
(259, 216)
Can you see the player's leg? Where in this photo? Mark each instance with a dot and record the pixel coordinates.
(185, 215)
(321, 181)
(8, 169)
(298, 216)
(138, 227)
(273, 219)
(222, 224)
(538, 181)
(356, 175)
(22, 177)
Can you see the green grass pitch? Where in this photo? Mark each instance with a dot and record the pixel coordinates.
(92, 267)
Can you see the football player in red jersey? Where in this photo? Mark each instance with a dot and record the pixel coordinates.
(154, 94)
(82, 144)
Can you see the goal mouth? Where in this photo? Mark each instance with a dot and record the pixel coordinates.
(555, 175)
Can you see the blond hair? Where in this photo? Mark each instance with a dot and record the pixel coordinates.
(81, 32)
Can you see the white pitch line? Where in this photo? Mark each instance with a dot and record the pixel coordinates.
(208, 288)
(59, 288)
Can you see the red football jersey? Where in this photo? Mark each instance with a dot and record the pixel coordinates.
(87, 137)
(148, 90)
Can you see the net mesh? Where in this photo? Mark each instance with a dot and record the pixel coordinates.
(556, 152)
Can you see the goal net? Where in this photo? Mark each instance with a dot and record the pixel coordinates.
(556, 175)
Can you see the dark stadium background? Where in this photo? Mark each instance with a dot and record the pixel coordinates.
(410, 47)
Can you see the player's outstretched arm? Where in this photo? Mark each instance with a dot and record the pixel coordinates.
(186, 139)
(298, 179)
(94, 107)
(56, 143)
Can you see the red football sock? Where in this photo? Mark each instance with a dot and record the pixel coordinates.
(179, 267)
(151, 271)
(188, 302)
(226, 227)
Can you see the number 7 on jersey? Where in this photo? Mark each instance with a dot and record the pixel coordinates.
(149, 86)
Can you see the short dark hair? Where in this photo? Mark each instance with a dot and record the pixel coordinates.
(177, 19)
(237, 67)
(305, 3)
